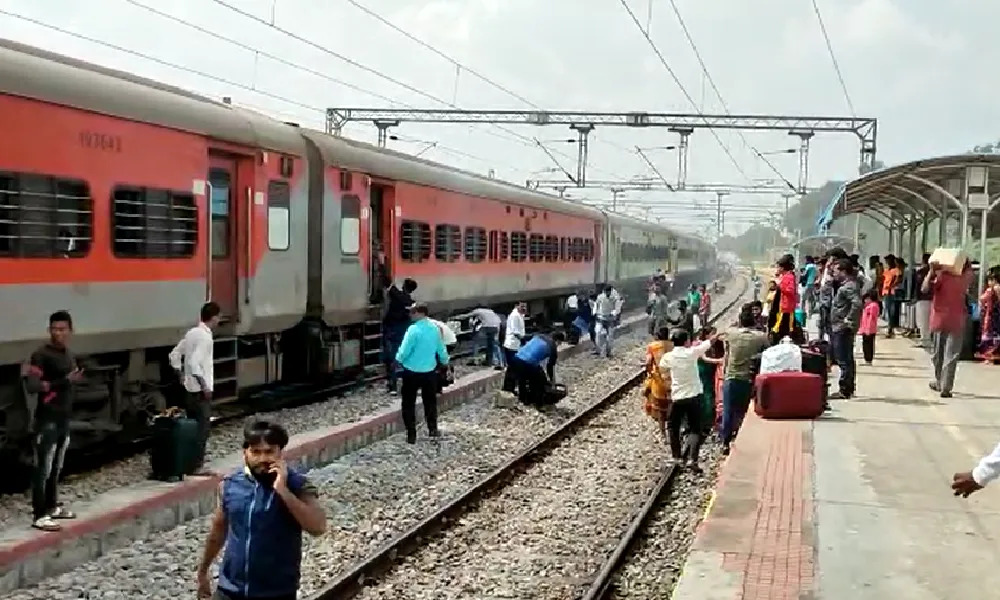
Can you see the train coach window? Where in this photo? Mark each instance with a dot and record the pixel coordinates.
(44, 217)
(475, 244)
(551, 248)
(563, 249)
(350, 225)
(414, 241)
(447, 243)
(153, 223)
(536, 248)
(588, 250)
(493, 246)
(576, 249)
(518, 246)
(279, 196)
(504, 246)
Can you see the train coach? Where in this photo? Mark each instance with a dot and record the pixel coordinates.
(129, 203)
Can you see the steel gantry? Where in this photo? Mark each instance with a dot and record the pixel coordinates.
(649, 185)
(803, 127)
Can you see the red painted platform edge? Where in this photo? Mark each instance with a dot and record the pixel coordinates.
(760, 520)
(189, 489)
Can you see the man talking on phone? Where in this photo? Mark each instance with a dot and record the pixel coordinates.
(51, 374)
(262, 510)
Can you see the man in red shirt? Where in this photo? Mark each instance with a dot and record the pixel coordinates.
(949, 311)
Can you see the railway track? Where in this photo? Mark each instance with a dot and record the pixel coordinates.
(380, 564)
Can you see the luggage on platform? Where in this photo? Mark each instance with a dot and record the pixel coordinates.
(789, 395)
(174, 449)
(817, 363)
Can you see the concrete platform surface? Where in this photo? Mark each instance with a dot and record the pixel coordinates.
(122, 516)
(857, 504)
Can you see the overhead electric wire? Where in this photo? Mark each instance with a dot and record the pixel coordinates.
(673, 75)
(525, 140)
(715, 88)
(452, 60)
(833, 57)
(212, 77)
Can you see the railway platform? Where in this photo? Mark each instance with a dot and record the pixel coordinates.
(858, 503)
(121, 516)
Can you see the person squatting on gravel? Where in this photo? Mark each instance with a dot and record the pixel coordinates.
(51, 374)
(193, 361)
(261, 512)
(532, 379)
(686, 394)
(421, 355)
(394, 324)
(656, 389)
(742, 345)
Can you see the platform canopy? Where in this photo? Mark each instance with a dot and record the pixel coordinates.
(922, 190)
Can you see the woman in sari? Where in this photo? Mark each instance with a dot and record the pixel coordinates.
(786, 300)
(989, 314)
(656, 389)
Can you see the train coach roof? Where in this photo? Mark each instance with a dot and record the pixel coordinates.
(397, 166)
(38, 74)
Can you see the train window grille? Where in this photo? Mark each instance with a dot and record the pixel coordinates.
(447, 243)
(153, 223)
(588, 250)
(536, 248)
(493, 249)
(475, 244)
(44, 217)
(414, 241)
(563, 249)
(551, 248)
(279, 206)
(576, 249)
(518, 246)
(504, 245)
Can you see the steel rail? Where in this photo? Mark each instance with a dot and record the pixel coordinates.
(383, 559)
(603, 584)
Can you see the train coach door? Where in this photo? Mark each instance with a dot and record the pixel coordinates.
(222, 236)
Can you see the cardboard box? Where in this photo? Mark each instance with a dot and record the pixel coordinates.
(952, 259)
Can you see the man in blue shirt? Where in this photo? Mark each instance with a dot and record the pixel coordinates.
(533, 379)
(420, 355)
(262, 510)
(809, 282)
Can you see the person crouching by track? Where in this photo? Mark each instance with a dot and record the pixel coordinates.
(686, 394)
(656, 389)
(52, 374)
(421, 355)
(274, 504)
(533, 380)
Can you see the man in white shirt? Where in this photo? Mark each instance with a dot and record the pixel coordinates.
(686, 391)
(606, 309)
(193, 358)
(988, 469)
(515, 332)
(489, 329)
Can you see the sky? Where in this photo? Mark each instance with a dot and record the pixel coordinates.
(922, 68)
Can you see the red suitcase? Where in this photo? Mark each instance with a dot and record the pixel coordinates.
(789, 395)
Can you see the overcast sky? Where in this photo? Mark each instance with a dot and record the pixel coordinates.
(924, 69)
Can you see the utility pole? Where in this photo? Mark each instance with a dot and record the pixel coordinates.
(719, 225)
(614, 198)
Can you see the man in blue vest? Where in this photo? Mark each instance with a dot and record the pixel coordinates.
(262, 510)
(532, 378)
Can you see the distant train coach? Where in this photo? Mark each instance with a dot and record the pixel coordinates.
(130, 203)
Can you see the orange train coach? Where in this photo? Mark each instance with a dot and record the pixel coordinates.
(129, 203)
